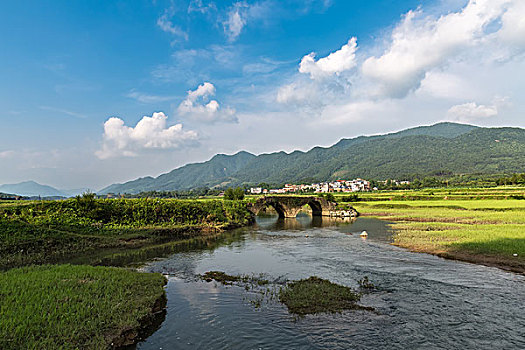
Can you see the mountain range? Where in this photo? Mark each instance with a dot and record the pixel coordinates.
(449, 148)
(34, 189)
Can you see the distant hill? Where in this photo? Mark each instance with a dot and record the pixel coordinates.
(31, 188)
(425, 150)
(34, 189)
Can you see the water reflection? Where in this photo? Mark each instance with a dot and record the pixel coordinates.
(422, 301)
(301, 222)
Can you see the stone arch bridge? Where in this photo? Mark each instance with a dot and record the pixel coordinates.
(290, 206)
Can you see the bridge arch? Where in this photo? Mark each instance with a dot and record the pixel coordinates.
(278, 208)
(317, 207)
(290, 206)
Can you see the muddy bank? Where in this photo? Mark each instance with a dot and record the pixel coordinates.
(129, 337)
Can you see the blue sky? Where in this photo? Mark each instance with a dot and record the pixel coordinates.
(96, 92)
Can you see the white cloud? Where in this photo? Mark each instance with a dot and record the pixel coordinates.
(471, 111)
(354, 112)
(198, 106)
(513, 25)
(241, 13)
(445, 85)
(300, 94)
(199, 6)
(149, 133)
(426, 64)
(337, 62)
(145, 98)
(327, 79)
(419, 44)
(63, 111)
(6, 154)
(167, 25)
(235, 22)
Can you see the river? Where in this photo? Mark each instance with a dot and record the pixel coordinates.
(421, 301)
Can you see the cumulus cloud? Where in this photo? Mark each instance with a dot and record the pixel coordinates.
(335, 63)
(445, 85)
(198, 106)
(326, 80)
(419, 44)
(149, 133)
(513, 25)
(471, 111)
(438, 57)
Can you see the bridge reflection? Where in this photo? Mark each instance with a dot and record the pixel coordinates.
(301, 222)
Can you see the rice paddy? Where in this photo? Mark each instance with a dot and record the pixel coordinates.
(480, 230)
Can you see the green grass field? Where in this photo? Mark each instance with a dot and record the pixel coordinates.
(85, 307)
(74, 307)
(55, 231)
(488, 231)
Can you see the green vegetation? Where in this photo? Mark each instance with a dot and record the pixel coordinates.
(437, 155)
(329, 197)
(199, 192)
(432, 194)
(54, 231)
(84, 307)
(307, 296)
(226, 279)
(314, 295)
(76, 307)
(220, 276)
(484, 226)
(234, 194)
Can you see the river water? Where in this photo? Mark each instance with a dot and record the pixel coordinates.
(421, 301)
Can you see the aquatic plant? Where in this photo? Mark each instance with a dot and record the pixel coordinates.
(314, 295)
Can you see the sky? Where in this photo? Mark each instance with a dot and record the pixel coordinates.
(98, 92)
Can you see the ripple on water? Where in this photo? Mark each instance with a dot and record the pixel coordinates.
(423, 301)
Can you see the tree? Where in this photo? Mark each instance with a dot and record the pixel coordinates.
(329, 197)
(234, 194)
(238, 193)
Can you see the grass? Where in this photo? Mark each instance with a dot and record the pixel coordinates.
(315, 295)
(51, 231)
(303, 297)
(487, 231)
(86, 307)
(75, 307)
(226, 279)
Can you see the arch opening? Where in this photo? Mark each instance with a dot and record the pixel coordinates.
(278, 208)
(317, 209)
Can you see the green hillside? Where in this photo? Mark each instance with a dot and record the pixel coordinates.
(444, 147)
(209, 173)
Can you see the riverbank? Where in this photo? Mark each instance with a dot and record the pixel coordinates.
(483, 231)
(79, 306)
(58, 231)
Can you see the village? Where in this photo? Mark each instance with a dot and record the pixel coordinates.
(356, 185)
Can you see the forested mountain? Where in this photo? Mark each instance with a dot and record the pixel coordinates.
(209, 173)
(444, 148)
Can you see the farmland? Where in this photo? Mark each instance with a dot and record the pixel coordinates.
(484, 226)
